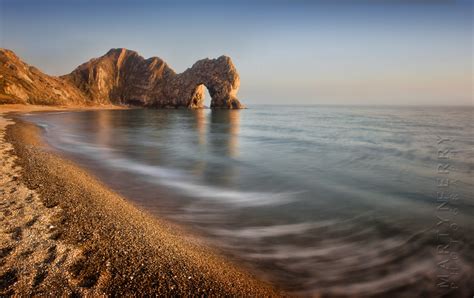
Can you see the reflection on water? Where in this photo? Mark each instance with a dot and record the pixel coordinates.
(201, 125)
(103, 125)
(337, 201)
(228, 123)
(199, 165)
(224, 145)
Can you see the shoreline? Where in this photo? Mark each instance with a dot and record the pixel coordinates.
(65, 232)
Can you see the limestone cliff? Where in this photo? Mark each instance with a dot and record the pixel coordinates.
(21, 83)
(122, 77)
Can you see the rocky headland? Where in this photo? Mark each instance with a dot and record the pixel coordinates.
(122, 76)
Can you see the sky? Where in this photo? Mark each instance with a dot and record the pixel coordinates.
(359, 52)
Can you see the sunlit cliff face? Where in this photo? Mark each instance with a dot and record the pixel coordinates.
(122, 76)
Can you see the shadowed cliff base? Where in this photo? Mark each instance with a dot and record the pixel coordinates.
(122, 76)
(96, 243)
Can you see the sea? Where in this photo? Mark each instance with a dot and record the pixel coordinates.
(335, 201)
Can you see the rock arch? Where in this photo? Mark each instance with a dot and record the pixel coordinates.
(219, 76)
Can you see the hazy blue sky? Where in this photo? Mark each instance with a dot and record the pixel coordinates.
(353, 52)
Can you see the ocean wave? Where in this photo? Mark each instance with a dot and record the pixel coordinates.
(321, 259)
(181, 182)
(272, 231)
(173, 178)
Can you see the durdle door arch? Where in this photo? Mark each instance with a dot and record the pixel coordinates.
(220, 78)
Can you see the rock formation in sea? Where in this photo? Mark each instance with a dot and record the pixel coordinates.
(122, 76)
(218, 75)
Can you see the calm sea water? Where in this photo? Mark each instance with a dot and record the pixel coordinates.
(317, 199)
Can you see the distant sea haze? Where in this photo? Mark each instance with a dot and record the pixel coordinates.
(332, 200)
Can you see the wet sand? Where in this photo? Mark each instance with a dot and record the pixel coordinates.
(63, 232)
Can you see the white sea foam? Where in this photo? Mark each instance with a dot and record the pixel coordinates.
(175, 179)
(272, 231)
(181, 182)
